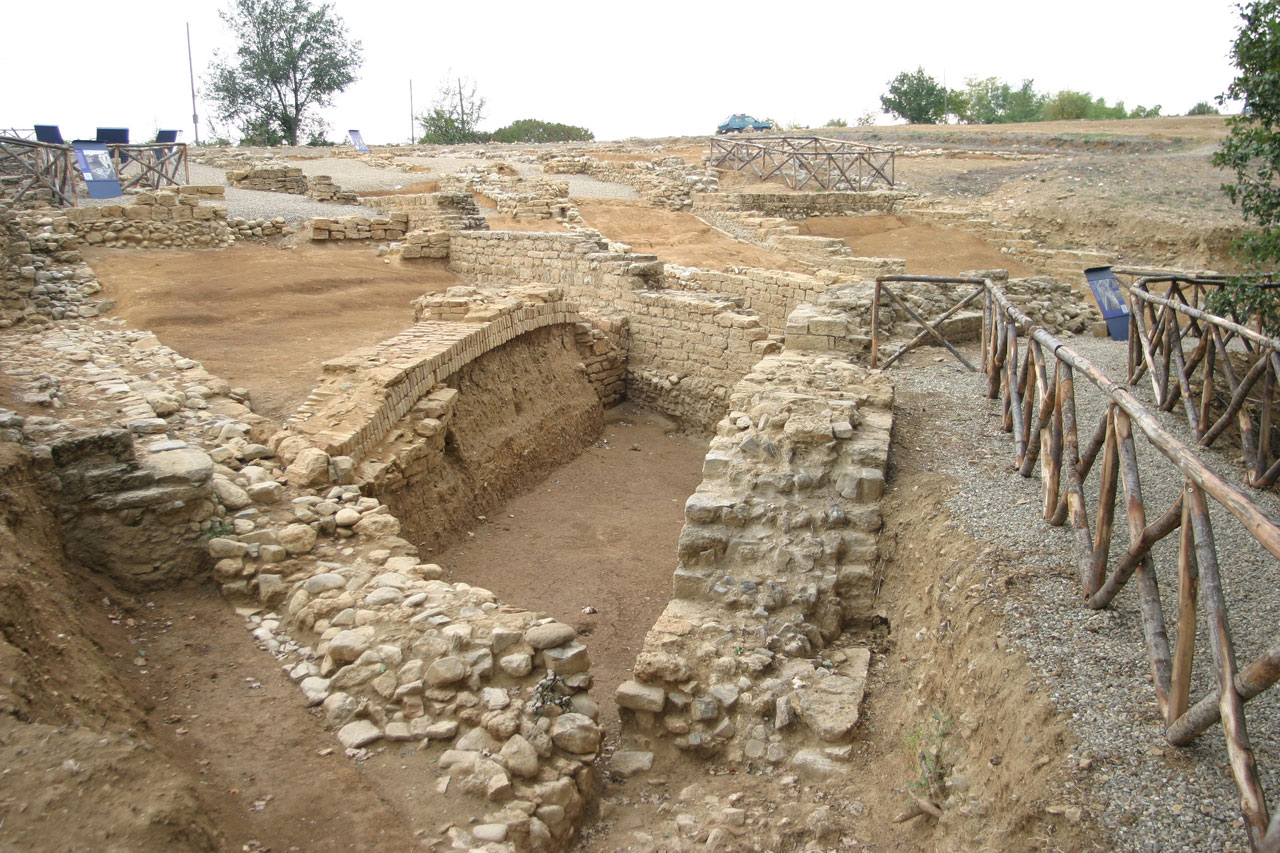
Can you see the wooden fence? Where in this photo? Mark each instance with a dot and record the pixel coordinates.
(1244, 363)
(151, 165)
(39, 166)
(42, 165)
(1034, 375)
(801, 160)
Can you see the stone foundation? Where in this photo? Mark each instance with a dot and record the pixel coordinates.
(801, 205)
(753, 659)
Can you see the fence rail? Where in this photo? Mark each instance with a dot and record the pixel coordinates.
(801, 160)
(39, 166)
(1160, 327)
(151, 165)
(1035, 377)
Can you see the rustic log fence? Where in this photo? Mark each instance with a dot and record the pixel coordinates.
(1244, 362)
(831, 164)
(1034, 375)
(152, 165)
(38, 166)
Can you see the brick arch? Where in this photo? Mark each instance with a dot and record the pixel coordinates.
(361, 395)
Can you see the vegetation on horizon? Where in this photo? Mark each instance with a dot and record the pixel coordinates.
(292, 58)
(920, 99)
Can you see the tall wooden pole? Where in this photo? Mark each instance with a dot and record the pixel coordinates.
(191, 69)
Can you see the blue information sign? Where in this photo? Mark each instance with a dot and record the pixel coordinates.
(99, 173)
(1106, 290)
(358, 141)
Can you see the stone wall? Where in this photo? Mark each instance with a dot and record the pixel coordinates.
(666, 182)
(172, 218)
(442, 211)
(363, 395)
(494, 697)
(322, 188)
(276, 179)
(801, 205)
(514, 196)
(42, 276)
(772, 294)
(759, 656)
(391, 227)
(685, 348)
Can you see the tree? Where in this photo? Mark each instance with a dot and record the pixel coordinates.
(455, 115)
(916, 97)
(292, 58)
(1068, 105)
(1252, 151)
(532, 130)
(1203, 108)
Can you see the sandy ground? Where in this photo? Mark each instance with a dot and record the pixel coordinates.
(594, 544)
(927, 249)
(262, 317)
(679, 238)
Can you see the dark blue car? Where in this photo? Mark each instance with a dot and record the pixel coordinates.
(739, 123)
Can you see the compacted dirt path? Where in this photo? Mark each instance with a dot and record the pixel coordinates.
(263, 317)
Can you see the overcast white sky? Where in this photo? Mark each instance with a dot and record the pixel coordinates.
(659, 68)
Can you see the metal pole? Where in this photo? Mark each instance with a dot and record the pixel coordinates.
(411, 120)
(191, 69)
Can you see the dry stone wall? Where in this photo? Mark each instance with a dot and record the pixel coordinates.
(801, 205)
(442, 211)
(392, 227)
(42, 277)
(487, 702)
(685, 349)
(757, 659)
(173, 218)
(276, 179)
(666, 182)
(514, 196)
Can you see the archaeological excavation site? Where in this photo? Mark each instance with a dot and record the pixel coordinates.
(779, 493)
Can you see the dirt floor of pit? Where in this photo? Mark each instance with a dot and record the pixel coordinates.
(262, 317)
(595, 543)
(678, 238)
(927, 249)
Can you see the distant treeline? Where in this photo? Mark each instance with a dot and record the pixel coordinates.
(920, 99)
(440, 130)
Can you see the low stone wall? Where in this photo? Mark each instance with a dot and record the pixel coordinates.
(442, 211)
(758, 658)
(152, 220)
(392, 227)
(42, 278)
(801, 205)
(495, 698)
(322, 188)
(276, 179)
(425, 244)
(515, 196)
(685, 348)
(250, 229)
(666, 182)
(772, 294)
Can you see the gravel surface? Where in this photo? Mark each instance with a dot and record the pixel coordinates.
(580, 186)
(1153, 795)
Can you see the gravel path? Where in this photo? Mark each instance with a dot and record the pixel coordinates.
(580, 186)
(1154, 796)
